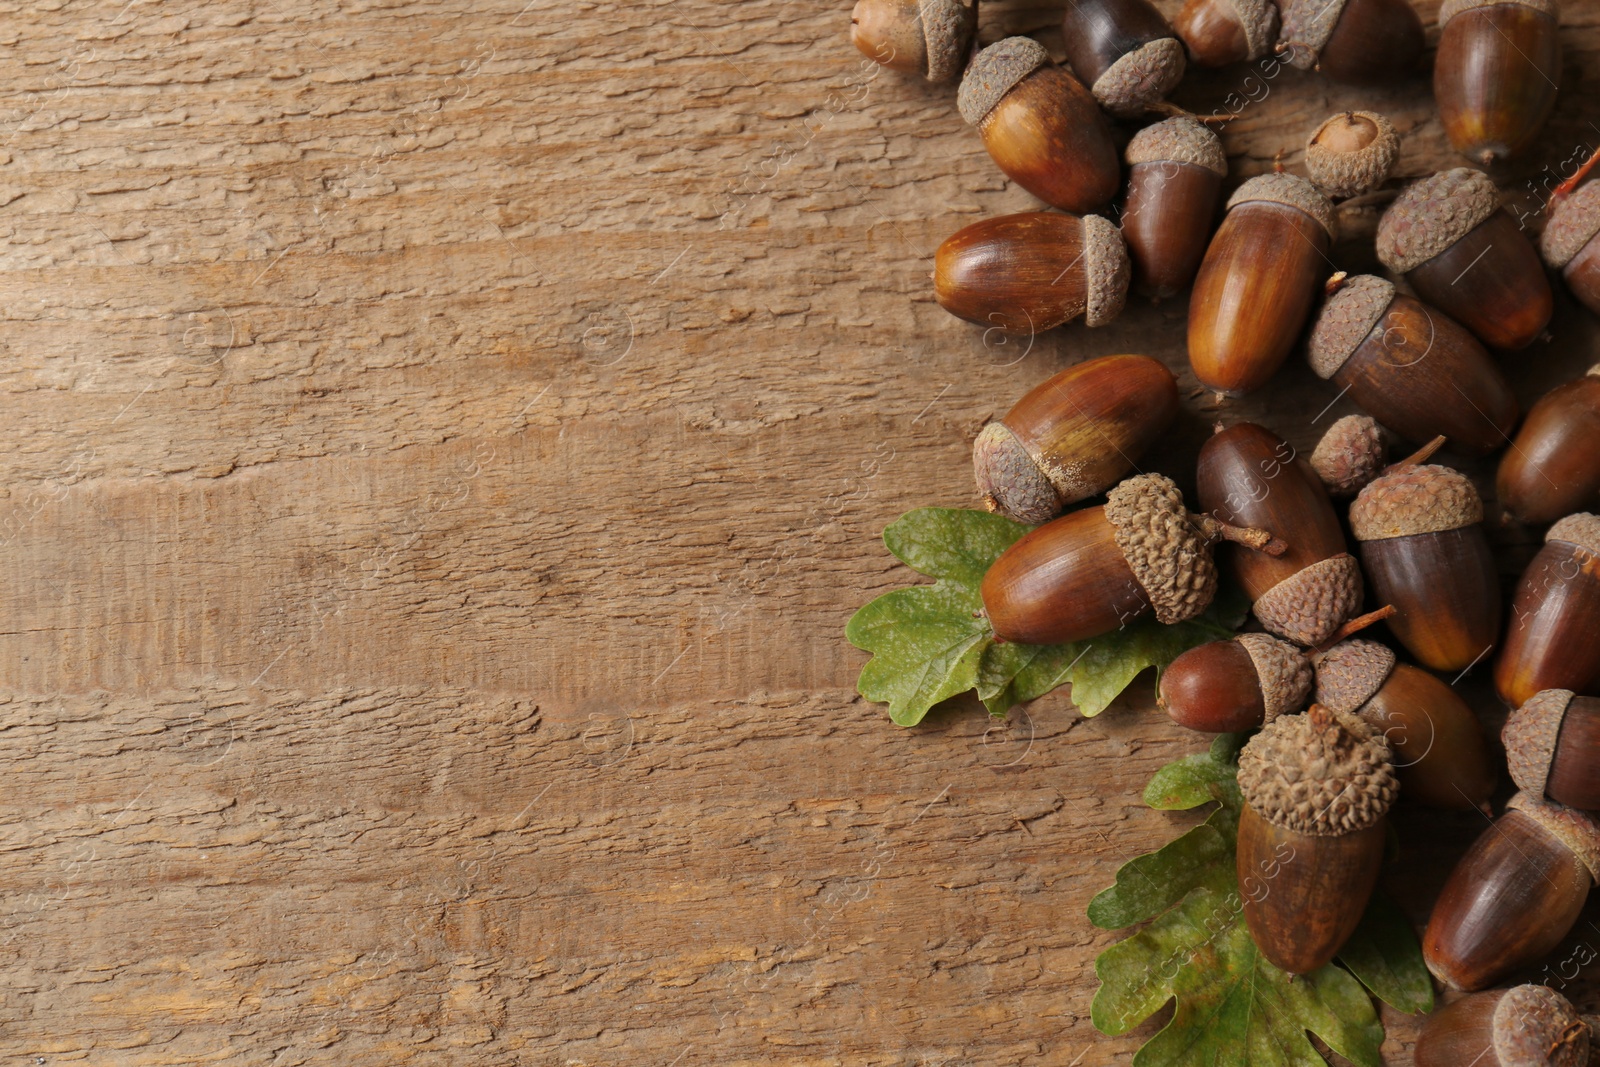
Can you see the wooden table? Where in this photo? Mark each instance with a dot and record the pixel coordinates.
(446, 445)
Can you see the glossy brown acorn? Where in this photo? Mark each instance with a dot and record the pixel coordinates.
(1234, 685)
(1412, 367)
(1528, 1026)
(1175, 172)
(1363, 42)
(1467, 257)
(1258, 282)
(1316, 788)
(1424, 551)
(1440, 752)
(1568, 243)
(1124, 51)
(1515, 894)
(1553, 748)
(1219, 32)
(1553, 467)
(926, 37)
(1032, 271)
(1040, 125)
(1249, 476)
(1073, 435)
(1550, 638)
(1495, 74)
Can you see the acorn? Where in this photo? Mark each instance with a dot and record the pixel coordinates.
(1555, 615)
(1219, 32)
(1553, 748)
(1440, 752)
(1033, 271)
(1095, 570)
(1568, 243)
(1073, 435)
(926, 37)
(1316, 788)
(1515, 895)
(1238, 684)
(1249, 476)
(1352, 152)
(1495, 74)
(1124, 50)
(1257, 282)
(1040, 125)
(1361, 42)
(1411, 367)
(1175, 172)
(1424, 552)
(1528, 1026)
(1466, 256)
(1350, 454)
(1553, 467)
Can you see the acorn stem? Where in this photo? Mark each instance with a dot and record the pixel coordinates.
(1335, 283)
(1421, 455)
(1354, 626)
(1568, 187)
(1260, 540)
(1173, 111)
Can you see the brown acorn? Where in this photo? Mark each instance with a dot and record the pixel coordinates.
(1528, 1026)
(1553, 748)
(1239, 684)
(1032, 271)
(1496, 73)
(1095, 570)
(1352, 152)
(1073, 435)
(1555, 615)
(1124, 51)
(1467, 257)
(1361, 42)
(1316, 788)
(1440, 752)
(1175, 172)
(1411, 367)
(1219, 32)
(1514, 896)
(926, 37)
(1258, 281)
(1553, 467)
(1249, 476)
(1424, 551)
(1568, 243)
(1040, 125)
(1349, 455)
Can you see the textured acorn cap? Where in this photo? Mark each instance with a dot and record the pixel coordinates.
(1259, 21)
(1307, 25)
(1179, 139)
(1582, 529)
(1433, 214)
(1283, 670)
(1415, 499)
(1106, 269)
(1534, 1026)
(947, 28)
(1168, 553)
(1451, 8)
(1530, 738)
(1309, 605)
(1289, 189)
(1345, 320)
(1578, 830)
(1352, 173)
(1010, 479)
(994, 72)
(1575, 220)
(1140, 78)
(1350, 673)
(1349, 455)
(1323, 773)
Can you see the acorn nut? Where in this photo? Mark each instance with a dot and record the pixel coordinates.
(1234, 685)
(1495, 74)
(1527, 1026)
(1555, 614)
(1568, 243)
(1349, 455)
(1175, 172)
(1219, 32)
(927, 37)
(1553, 748)
(1352, 152)
(1124, 50)
(1553, 467)
(1361, 42)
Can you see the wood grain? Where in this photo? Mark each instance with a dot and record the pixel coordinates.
(447, 442)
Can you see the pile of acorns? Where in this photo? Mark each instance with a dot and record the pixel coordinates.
(1317, 784)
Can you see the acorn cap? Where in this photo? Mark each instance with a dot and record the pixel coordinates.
(1307, 25)
(1433, 214)
(1349, 455)
(1350, 673)
(1451, 8)
(1415, 499)
(1534, 1026)
(1578, 830)
(1289, 189)
(1179, 139)
(1582, 529)
(1530, 738)
(1140, 78)
(947, 28)
(1168, 553)
(994, 72)
(1309, 605)
(1259, 21)
(1575, 220)
(1283, 670)
(1345, 320)
(1010, 479)
(1323, 773)
(1106, 268)
(1352, 173)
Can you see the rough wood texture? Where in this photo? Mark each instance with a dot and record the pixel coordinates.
(447, 443)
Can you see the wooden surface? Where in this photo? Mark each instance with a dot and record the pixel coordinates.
(446, 443)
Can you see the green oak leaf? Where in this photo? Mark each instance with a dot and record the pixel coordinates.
(1384, 954)
(1198, 779)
